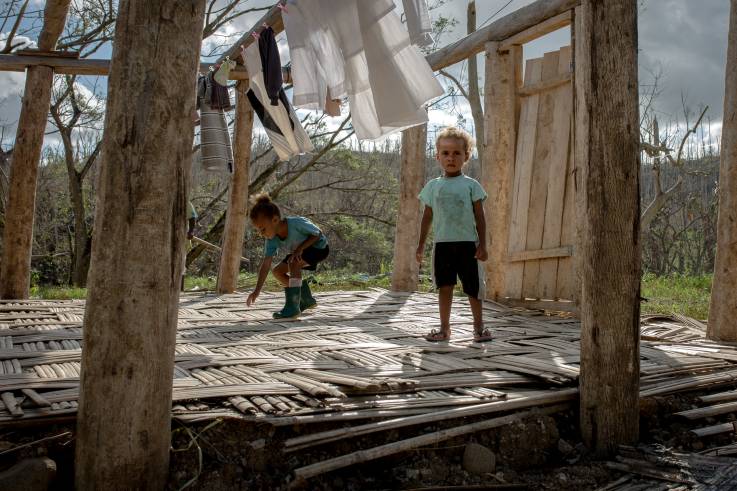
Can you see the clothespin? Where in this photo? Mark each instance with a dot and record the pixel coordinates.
(282, 7)
(265, 25)
(255, 35)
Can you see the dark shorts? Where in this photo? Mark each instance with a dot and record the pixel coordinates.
(454, 260)
(312, 256)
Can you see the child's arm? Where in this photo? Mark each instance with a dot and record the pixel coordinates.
(424, 229)
(263, 272)
(478, 214)
(297, 253)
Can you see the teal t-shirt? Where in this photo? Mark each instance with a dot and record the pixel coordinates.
(451, 200)
(299, 229)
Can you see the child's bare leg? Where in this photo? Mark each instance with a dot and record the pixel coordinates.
(295, 270)
(281, 274)
(445, 300)
(476, 310)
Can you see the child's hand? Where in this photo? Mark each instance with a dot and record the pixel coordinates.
(252, 298)
(296, 257)
(481, 253)
(420, 253)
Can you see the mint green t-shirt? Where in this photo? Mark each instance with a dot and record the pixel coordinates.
(451, 200)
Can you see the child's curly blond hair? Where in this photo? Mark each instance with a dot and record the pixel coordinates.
(460, 134)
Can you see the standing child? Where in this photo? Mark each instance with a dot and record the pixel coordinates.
(305, 246)
(454, 206)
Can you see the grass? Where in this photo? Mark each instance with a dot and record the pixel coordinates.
(687, 295)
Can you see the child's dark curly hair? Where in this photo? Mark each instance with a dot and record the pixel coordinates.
(264, 207)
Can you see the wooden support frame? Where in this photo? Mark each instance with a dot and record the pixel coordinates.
(237, 214)
(407, 231)
(723, 307)
(608, 156)
(503, 74)
(65, 65)
(15, 270)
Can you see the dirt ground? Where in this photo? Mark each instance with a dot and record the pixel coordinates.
(543, 452)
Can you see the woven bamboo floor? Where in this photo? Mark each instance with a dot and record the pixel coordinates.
(358, 356)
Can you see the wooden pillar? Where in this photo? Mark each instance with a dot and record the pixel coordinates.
(503, 72)
(123, 426)
(237, 214)
(407, 231)
(15, 271)
(722, 324)
(608, 155)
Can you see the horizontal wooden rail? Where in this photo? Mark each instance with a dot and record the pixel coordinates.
(85, 66)
(550, 84)
(564, 251)
(537, 31)
(272, 18)
(500, 30)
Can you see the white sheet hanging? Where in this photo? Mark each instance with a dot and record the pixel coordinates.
(386, 78)
(419, 25)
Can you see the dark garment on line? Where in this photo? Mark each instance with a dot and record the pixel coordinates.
(271, 64)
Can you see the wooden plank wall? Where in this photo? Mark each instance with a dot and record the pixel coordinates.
(542, 228)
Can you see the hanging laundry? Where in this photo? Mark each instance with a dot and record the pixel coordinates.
(216, 153)
(364, 51)
(317, 69)
(419, 25)
(223, 73)
(216, 95)
(281, 123)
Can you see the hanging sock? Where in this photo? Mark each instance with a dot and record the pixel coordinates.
(291, 305)
(306, 301)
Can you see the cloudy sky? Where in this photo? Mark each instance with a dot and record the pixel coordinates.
(683, 41)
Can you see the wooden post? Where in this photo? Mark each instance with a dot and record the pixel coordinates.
(407, 231)
(503, 71)
(123, 429)
(237, 214)
(608, 155)
(723, 307)
(15, 271)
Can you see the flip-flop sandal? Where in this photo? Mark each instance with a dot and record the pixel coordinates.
(437, 336)
(482, 336)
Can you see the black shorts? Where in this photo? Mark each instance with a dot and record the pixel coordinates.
(312, 256)
(454, 260)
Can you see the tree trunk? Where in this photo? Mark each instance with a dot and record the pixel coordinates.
(123, 432)
(503, 70)
(474, 96)
(608, 155)
(15, 272)
(407, 232)
(723, 308)
(237, 214)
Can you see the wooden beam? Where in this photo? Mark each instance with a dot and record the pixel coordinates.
(509, 25)
(539, 30)
(503, 69)
(723, 307)
(130, 320)
(549, 84)
(565, 251)
(407, 231)
(86, 66)
(15, 271)
(237, 214)
(272, 18)
(609, 157)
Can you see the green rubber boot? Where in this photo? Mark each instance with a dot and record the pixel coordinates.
(291, 306)
(306, 301)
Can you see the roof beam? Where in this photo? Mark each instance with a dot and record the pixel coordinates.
(85, 66)
(506, 27)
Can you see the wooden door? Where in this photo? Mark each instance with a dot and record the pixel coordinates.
(542, 216)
